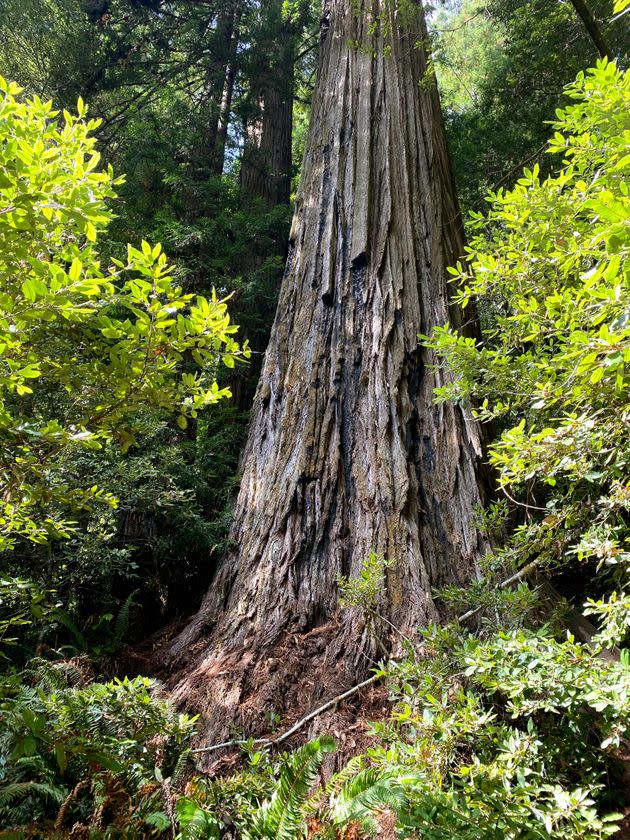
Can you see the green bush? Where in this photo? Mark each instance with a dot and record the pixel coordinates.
(74, 752)
(85, 343)
(508, 738)
(552, 260)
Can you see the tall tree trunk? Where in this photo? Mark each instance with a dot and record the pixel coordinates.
(265, 184)
(266, 162)
(208, 153)
(347, 453)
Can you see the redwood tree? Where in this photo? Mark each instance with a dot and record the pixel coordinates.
(266, 163)
(265, 179)
(347, 453)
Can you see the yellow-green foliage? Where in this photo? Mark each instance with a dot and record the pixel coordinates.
(552, 260)
(84, 341)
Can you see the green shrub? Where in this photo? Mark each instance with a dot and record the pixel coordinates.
(552, 259)
(86, 342)
(94, 754)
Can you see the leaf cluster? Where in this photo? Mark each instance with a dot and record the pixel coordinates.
(97, 342)
(551, 260)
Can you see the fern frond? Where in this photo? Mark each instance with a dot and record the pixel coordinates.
(79, 642)
(55, 675)
(122, 620)
(195, 822)
(71, 672)
(282, 817)
(352, 768)
(367, 792)
(184, 762)
(18, 790)
(313, 804)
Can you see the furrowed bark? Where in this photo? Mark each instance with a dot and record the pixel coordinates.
(347, 452)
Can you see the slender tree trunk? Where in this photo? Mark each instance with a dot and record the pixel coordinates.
(207, 155)
(347, 453)
(218, 87)
(225, 109)
(592, 26)
(265, 184)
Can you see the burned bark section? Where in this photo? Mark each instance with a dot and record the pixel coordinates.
(347, 452)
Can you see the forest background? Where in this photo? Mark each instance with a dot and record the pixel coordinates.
(205, 108)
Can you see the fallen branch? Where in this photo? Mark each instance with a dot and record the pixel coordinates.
(272, 742)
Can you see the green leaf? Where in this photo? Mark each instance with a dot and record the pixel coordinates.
(60, 755)
(33, 288)
(75, 269)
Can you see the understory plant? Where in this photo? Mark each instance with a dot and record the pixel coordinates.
(551, 263)
(510, 737)
(289, 797)
(534, 724)
(97, 758)
(88, 339)
(91, 340)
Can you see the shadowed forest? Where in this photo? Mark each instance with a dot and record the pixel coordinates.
(314, 419)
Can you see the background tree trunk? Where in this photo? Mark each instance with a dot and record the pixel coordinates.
(266, 163)
(347, 454)
(207, 156)
(265, 186)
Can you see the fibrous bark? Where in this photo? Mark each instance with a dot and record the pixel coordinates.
(266, 162)
(347, 453)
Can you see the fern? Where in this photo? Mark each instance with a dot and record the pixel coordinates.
(368, 791)
(282, 817)
(63, 731)
(19, 790)
(344, 775)
(52, 676)
(79, 642)
(122, 622)
(195, 822)
(185, 761)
